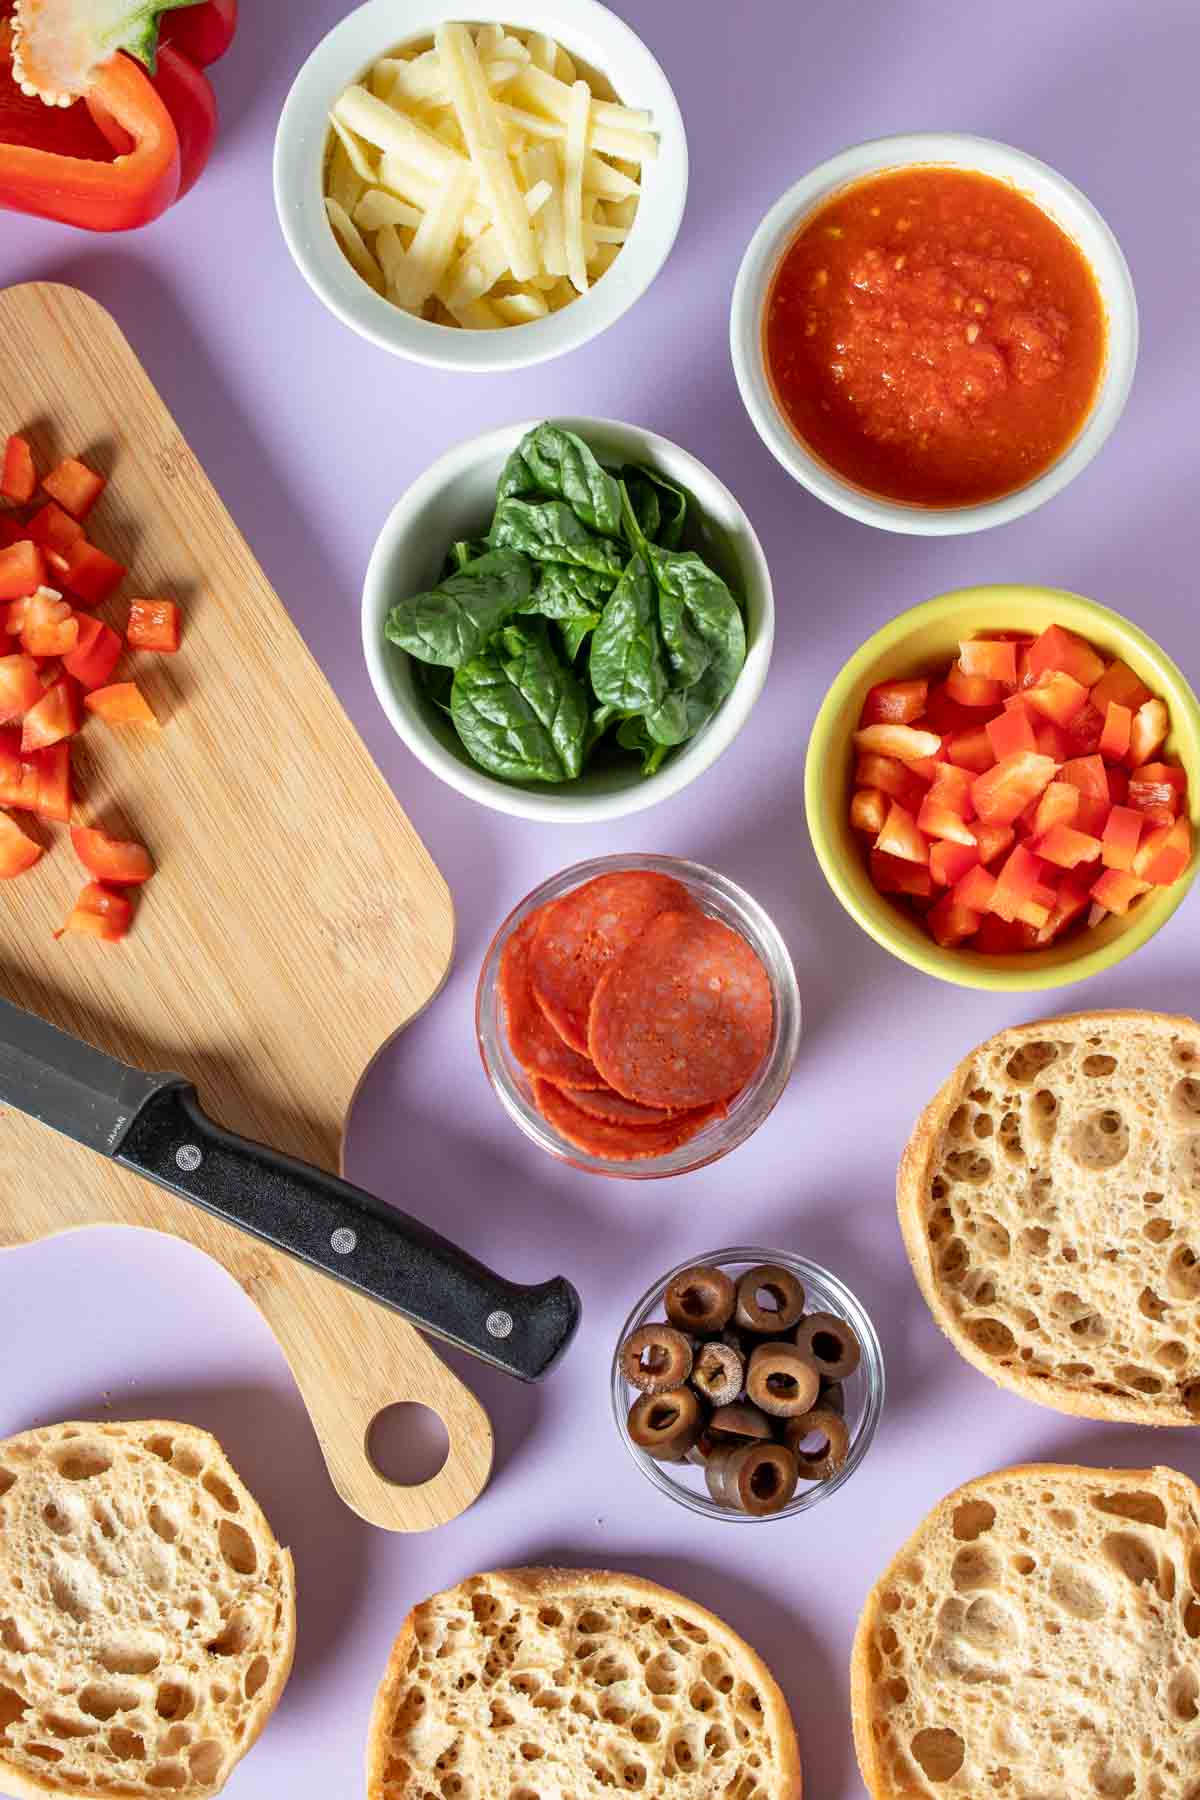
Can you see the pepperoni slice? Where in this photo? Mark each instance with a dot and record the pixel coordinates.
(534, 1042)
(683, 1019)
(617, 1142)
(606, 1103)
(584, 932)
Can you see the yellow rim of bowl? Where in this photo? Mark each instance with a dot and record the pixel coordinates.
(997, 606)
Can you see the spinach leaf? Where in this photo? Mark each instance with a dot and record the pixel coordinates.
(633, 735)
(575, 633)
(552, 462)
(569, 593)
(695, 604)
(519, 711)
(668, 723)
(549, 532)
(659, 506)
(455, 619)
(467, 550)
(627, 667)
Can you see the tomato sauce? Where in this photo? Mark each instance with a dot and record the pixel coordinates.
(935, 337)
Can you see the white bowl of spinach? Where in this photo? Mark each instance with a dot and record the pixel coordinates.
(568, 620)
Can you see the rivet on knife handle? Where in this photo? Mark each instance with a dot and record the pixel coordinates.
(350, 1235)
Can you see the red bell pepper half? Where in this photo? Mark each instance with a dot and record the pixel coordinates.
(202, 33)
(42, 168)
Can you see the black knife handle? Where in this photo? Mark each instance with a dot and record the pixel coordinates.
(349, 1234)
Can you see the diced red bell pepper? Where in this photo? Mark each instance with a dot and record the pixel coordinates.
(54, 529)
(1058, 649)
(19, 687)
(951, 923)
(10, 531)
(1057, 696)
(944, 715)
(972, 690)
(1164, 853)
(90, 574)
(868, 810)
(53, 769)
(998, 937)
(994, 659)
(1011, 731)
(1057, 806)
(121, 704)
(18, 478)
(1157, 785)
(1119, 684)
(1121, 835)
(927, 767)
(95, 655)
(111, 859)
(23, 571)
(1070, 899)
(14, 615)
(900, 836)
(895, 875)
(1091, 815)
(1118, 784)
(56, 715)
(1088, 774)
(952, 787)
(1066, 847)
(993, 840)
(1001, 794)
(1084, 732)
(891, 702)
(154, 625)
(1114, 739)
(1053, 741)
(48, 626)
(975, 888)
(971, 750)
(1017, 884)
(949, 862)
(937, 820)
(1116, 891)
(18, 778)
(900, 741)
(75, 486)
(1148, 733)
(891, 778)
(99, 913)
(17, 851)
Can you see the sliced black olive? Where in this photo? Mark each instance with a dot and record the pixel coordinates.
(769, 1299)
(781, 1381)
(700, 1300)
(829, 1344)
(656, 1358)
(666, 1426)
(823, 1460)
(718, 1373)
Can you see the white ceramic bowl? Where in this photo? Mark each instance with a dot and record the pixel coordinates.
(586, 30)
(454, 499)
(1056, 196)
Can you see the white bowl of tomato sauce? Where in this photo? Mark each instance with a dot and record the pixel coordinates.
(934, 333)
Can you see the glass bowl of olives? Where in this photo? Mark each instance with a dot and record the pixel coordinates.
(748, 1384)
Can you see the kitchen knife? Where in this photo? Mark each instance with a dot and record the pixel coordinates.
(154, 1125)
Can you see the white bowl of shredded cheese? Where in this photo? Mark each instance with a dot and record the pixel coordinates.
(481, 196)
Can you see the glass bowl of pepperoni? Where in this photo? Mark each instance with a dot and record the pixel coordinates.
(638, 1016)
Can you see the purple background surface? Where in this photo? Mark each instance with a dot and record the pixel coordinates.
(311, 435)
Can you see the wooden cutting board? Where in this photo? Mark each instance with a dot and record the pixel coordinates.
(294, 925)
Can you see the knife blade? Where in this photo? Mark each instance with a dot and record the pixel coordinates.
(155, 1126)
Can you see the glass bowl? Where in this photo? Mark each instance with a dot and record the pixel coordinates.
(714, 895)
(863, 1391)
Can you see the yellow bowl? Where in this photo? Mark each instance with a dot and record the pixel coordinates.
(923, 640)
